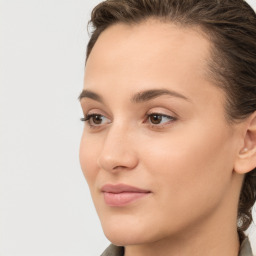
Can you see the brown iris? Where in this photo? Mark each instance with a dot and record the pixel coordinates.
(97, 119)
(155, 119)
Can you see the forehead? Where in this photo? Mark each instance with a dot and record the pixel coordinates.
(151, 39)
(149, 54)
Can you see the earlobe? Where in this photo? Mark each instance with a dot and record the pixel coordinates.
(246, 157)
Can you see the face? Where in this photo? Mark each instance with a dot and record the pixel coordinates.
(156, 149)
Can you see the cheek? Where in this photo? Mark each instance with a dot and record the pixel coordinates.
(88, 158)
(190, 165)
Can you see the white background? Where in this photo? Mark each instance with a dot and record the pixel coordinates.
(45, 205)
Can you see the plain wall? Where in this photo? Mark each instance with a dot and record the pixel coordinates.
(45, 204)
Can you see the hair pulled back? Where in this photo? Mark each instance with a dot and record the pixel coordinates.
(230, 26)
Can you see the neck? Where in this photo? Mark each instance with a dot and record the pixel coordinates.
(190, 245)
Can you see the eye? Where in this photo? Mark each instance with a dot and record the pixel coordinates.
(157, 119)
(95, 120)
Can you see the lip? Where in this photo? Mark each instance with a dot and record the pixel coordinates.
(122, 194)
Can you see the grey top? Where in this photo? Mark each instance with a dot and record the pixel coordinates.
(114, 250)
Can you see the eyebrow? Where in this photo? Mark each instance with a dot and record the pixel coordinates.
(138, 97)
(151, 94)
(90, 95)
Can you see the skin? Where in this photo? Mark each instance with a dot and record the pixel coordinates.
(193, 164)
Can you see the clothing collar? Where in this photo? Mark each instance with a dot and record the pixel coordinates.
(245, 249)
(113, 250)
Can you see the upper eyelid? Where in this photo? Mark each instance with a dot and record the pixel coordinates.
(96, 112)
(161, 113)
(172, 115)
(149, 112)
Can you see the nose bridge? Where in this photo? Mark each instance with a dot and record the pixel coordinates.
(117, 149)
(116, 138)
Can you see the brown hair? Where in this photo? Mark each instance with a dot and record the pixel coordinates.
(231, 27)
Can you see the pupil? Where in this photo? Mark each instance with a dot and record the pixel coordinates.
(156, 119)
(97, 119)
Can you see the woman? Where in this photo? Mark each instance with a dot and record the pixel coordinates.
(169, 142)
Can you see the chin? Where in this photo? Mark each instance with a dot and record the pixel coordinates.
(130, 231)
(124, 233)
(121, 240)
(124, 238)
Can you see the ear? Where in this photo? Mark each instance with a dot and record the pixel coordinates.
(246, 156)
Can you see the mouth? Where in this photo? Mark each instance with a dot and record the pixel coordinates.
(122, 194)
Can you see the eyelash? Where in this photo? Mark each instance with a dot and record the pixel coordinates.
(158, 126)
(87, 120)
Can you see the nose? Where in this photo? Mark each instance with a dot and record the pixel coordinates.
(118, 151)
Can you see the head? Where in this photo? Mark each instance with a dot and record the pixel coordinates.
(172, 87)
